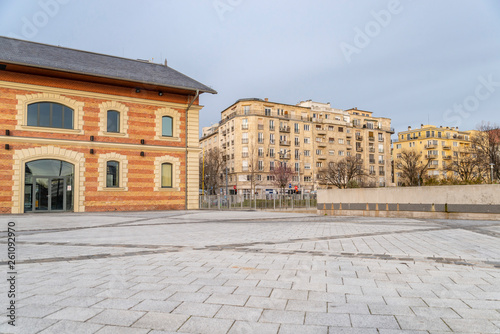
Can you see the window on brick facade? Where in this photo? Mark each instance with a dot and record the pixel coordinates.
(113, 121)
(166, 126)
(112, 174)
(50, 115)
(166, 175)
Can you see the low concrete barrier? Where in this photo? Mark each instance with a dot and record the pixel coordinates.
(453, 202)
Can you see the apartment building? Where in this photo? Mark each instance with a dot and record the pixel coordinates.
(256, 135)
(82, 131)
(440, 144)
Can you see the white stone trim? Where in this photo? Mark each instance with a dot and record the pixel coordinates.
(103, 118)
(176, 172)
(25, 100)
(21, 157)
(176, 124)
(123, 171)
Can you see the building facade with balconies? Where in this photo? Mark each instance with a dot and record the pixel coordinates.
(257, 135)
(441, 145)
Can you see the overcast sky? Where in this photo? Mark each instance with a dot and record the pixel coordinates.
(412, 61)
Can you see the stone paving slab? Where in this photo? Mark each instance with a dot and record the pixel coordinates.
(251, 272)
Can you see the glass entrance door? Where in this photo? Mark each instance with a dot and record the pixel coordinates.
(57, 194)
(48, 186)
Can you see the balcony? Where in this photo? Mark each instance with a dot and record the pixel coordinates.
(244, 155)
(371, 150)
(285, 157)
(381, 162)
(321, 132)
(381, 173)
(446, 147)
(431, 156)
(433, 166)
(244, 141)
(372, 161)
(348, 135)
(349, 147)
(224, 145)
(447, 157)
(260, 126)
(359, 149)
(381, 139)
(321, 143)
(284, 143)
(359, 137)
(271, 128)
(321, 157)
(372, 172)
(371, 138)
(285, 129)
(430, 146)
(296, 130)
(244, 127)
(261, 140)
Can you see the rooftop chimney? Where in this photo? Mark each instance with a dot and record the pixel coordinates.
(266, 99)
(409, 128)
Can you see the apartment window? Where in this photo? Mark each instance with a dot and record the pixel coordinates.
(271, 125)
(380, 148)
(372, 158)
(331, 152)
(244, 138)
(261, 152)
(244, 165)
(296, 127)
(261, 137)
(113, 121)
(381, 159)
(297, 167)
(341, 153)
(259, 177)
(246, 110)
(296, 154)
(398, 146)
(307, 179)
(455, 144)
(271, 178)
(330, 128)
(319, 164)
(307, 153)
(427, 134)
(295, 178)
(307, 166)
(380, 137)
(341, 129)
(307, 140)
(166, 175)
(51, 115)
(297, 141)
(244, 123)
(112, 174)
(341, 141)
(271, 152)
(268, 111)
(166, 126)
(261, 165)
(331, 140)
(307, 127)
(244, 152)
(319, 152)
(271, 165)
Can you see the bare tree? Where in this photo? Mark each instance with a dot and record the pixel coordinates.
(342, 173)
(486, 143)
(465, 166)
(212, 164)
(412, 167)
(281, 176)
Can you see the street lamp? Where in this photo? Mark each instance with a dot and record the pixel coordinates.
(491, 166)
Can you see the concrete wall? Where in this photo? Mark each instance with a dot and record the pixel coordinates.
(472, 201)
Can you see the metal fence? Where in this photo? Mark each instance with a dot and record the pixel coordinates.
(267, 202)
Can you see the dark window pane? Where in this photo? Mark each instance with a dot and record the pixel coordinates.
(33, 114)
(166, 126)
(44, 115)
(166, 175)
(68, 118)
(113, 121)
(57, 116)
(112, 174)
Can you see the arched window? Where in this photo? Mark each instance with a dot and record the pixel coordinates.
(51, 115)
(112, 174)
(113, 121)
(166, 175)
(166, 126)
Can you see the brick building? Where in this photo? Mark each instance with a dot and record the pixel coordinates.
(81, 131)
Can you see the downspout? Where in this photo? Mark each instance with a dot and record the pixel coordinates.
(186, 157)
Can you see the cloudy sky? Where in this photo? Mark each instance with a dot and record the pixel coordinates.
(412, 61)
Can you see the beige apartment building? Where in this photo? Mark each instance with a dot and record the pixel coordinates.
(442, 145)
(256, 135)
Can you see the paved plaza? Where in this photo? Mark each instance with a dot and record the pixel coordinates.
(250, 272)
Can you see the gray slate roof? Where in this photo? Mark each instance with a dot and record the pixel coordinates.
(15, 51)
